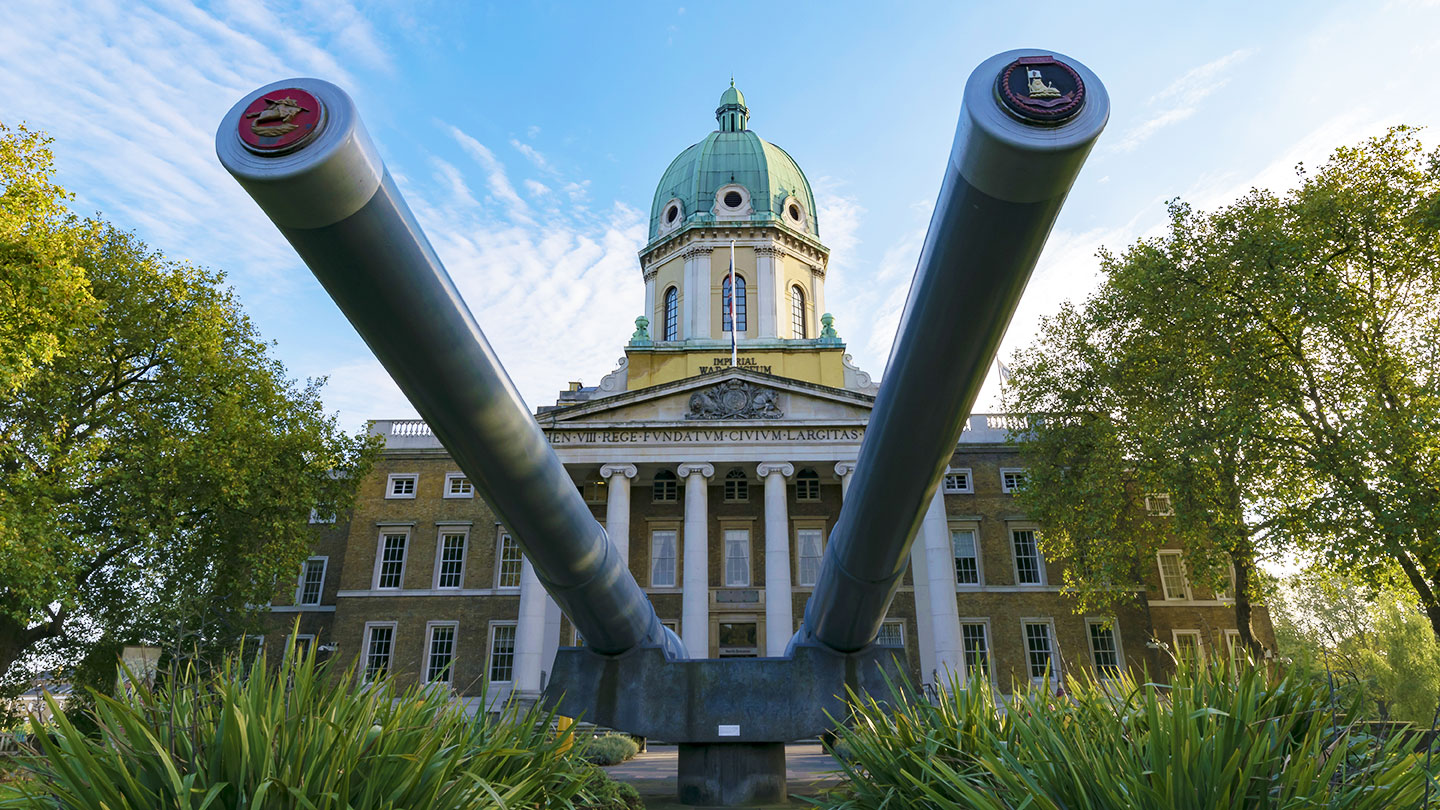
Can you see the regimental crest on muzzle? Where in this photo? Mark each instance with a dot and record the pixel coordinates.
(1040, 90)
(280, 121)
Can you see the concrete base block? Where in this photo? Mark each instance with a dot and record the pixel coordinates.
(732, 774)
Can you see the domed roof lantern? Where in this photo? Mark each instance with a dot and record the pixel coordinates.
(732, 113)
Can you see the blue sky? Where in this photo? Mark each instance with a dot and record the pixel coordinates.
(528, 137)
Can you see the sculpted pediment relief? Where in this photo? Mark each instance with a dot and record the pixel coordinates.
(734, 399)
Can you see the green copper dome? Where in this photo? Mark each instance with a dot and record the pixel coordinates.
(759, 180)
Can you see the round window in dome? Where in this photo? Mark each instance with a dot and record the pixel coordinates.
(672, 213)
(733, 199)
(794, 212)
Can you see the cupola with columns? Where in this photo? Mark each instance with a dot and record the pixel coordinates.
(734, 194)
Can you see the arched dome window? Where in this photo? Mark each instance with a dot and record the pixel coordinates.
(797, 312)
(737, 487)
(671, 329)
(739, 303)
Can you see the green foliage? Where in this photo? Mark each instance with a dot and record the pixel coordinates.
(1374, 645)
(1209, 739)
(300, 736)
(609, 749)
(605, 793)
(1274, 366)
(157, 467)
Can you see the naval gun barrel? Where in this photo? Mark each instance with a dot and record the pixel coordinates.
(299, 148)
(1027, 121)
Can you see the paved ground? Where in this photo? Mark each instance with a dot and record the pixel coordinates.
(807, 767)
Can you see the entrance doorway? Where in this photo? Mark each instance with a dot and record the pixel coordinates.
(738, 640)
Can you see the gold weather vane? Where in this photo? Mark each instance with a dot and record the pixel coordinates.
(1038, 86)
(281, 110)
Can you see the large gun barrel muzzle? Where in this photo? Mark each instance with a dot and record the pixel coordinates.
(299, 149)
(1027, 121)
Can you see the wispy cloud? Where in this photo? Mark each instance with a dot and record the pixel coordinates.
(533, 155)
(1180, 98)
(495, 175)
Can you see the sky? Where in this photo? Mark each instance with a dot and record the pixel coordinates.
(528, 138)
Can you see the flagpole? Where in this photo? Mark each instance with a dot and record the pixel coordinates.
(734, 344)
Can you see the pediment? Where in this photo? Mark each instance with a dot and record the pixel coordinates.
(731, 396)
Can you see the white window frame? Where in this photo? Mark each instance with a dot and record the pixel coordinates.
(984, 623)
(900, 623)
(967, 489)
(296, 639)
(1231, 637)
(500, 536)
(1153, 503)
(464, 533)
(365, 649)
(300, 587)
(1199, 644)
(1056, 676)
(675, 543)
(1188, 594)
(380, 558)
(1114, 626)
(454, 650)
(979, 556)
(725, 557)
(1006, 488)
(390, 493)
(805, 526)
(469, 485)
(490, 651)
(1039, 557)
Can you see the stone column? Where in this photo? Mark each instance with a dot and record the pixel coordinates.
(529, 633)
(696, 293)
(924, 627)
(767, 307)
(944, 614)
(657, 319)
(617, 505)
(817, 288)
(779, 619)
(552, 638)
(845, 470)
(695, 582)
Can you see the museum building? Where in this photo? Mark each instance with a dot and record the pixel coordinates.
(720, 483)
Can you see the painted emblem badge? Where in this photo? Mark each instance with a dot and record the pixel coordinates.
(1040, 89)
(280, 121)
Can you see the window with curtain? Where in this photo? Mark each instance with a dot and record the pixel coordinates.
(671, 330)
(739, 302)
(662, 559)
(737, 558)
(808, 568)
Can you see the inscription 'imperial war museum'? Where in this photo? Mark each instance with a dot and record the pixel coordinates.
(718, 364)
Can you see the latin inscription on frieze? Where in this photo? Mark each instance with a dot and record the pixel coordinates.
(643, 436)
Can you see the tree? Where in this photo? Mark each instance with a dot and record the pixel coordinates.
(1273, 367)
(157, 467)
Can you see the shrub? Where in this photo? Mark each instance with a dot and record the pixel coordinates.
(1211, 738)
(605, 793)
(609, 749)
(298, 735)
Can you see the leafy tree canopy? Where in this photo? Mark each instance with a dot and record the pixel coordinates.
(1273, 367)
(157, 467)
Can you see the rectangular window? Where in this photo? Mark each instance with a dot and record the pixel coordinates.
(1029, 568)
(662, 559)
(595, 491)
(317, 517)
(440, 655)
(1040, 651)
(1104, 648)
(450, 570)
(312, 581)
(1158, 504)
(303, 644)
(508, 562)
(379, 644)
(1013, 480)
(1188, 649)
(1172, 576)
(976, 643)
(809, 552)
(807, 486)
(957, 482)
(458, 486)
(737, 558)
(401, 485)
(666, 488)
(1238, 655)
(967, 560)
(390, 572)
(1227, 586)
(891, 633)
(502, 653)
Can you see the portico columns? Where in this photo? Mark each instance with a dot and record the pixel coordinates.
(779, 623)
(695, 584)
(944, 614)
(617, 506)
(844, 469)
(529, 632)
